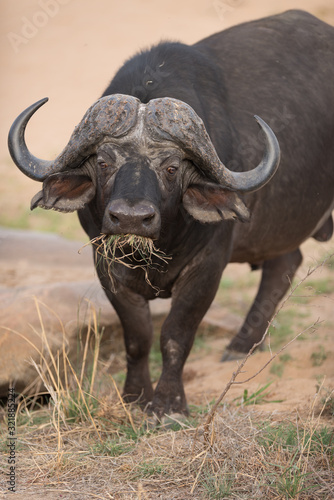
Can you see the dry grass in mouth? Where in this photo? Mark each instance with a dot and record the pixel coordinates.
(130, 250)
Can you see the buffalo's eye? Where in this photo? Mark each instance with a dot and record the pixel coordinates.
(103, 164)
(171, 170)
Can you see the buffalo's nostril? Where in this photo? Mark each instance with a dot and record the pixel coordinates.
(113, 218)
(147, 220)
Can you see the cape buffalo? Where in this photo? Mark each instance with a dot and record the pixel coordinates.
(172, 152)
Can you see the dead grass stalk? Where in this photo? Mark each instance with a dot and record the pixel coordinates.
(129, 250)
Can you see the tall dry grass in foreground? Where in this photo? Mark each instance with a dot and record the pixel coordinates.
(86, 443)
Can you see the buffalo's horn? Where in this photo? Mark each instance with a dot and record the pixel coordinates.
(176, 121)
(256, 178)
(109, 117)
(30, 165)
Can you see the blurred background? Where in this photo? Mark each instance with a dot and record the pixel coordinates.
(68, 50)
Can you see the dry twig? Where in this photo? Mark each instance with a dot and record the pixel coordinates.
(232, 381)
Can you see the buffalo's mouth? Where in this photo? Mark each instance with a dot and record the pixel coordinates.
(131, 250)
(141, 250)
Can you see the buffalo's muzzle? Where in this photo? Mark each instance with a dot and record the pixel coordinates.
(141, 218)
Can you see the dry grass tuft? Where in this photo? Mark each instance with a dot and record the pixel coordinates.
(250, 457)
(130, 250)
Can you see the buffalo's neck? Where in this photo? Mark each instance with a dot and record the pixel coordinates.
(184, 235)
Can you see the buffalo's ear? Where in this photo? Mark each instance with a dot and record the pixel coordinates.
(65, 192)
(212, 203)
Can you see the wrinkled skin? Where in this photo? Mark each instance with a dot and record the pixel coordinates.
(280, 68)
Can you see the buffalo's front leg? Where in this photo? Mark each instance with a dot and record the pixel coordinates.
(135, 317)
(192, 296)
(277, 275)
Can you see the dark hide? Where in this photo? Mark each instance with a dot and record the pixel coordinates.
(280, 68)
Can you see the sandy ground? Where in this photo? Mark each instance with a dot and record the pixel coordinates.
(68, 50)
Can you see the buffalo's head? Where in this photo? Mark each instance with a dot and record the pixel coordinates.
(139, 164)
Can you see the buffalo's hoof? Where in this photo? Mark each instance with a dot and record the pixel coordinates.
(231, 355)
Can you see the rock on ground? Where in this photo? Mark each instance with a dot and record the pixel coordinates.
(49, 296)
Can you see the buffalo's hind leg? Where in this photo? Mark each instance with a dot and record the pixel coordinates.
(277, 275)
